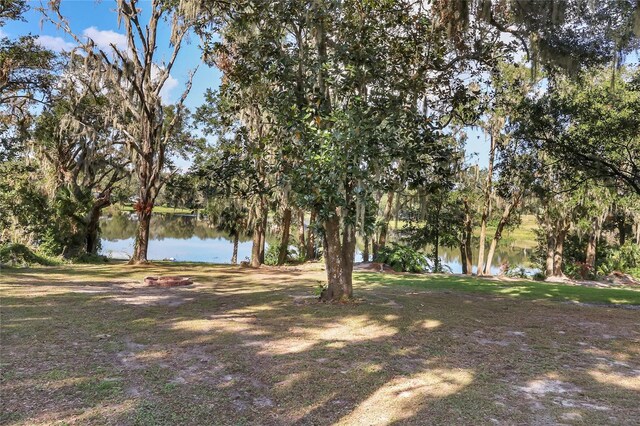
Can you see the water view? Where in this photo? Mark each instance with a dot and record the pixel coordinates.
(183, 238)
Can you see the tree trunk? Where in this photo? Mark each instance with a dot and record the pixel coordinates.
(311, 237)
(365, 251)
(257, 247)
(592, 244)
(463, 258)
(301, 244)
(334, 262)
(486, 210)
(551, 247)
(466, 239)
(506, 214)
(93, 227)
(234, 257)
(142, 237)
(622, 232)
(284, 239)
(557, 255)
(386, 218)
(263, 235)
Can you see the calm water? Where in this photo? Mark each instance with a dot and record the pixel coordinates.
(184, 239)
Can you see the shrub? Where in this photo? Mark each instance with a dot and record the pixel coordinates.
(624, 259)
(273, 251)
(539, 276)
(403, 258)
(517, 273)
(579, 270)
(20, 255)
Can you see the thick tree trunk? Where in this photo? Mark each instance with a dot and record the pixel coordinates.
(301, 243)
(334, 262)
(142, 236)
(463, 258)
(386, 218)
(486, 210)
(93, 227)
(259, 230)
(234, 257)
(558, 253)
(284, 238)
(506, 214)
(365, 251)
(622, 231)
(93, 222)
(311, 237)
(551, 247)
(592, 244)
(255, 247)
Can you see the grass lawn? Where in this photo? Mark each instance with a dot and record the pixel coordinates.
(160, 210)
(523, 236)
(88, 344)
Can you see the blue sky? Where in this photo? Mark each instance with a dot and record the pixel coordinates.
(98, 20)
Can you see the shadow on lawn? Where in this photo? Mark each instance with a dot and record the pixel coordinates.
(238, 350)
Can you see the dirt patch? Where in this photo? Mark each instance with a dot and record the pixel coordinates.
(375, 267)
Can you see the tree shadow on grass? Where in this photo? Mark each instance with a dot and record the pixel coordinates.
(237, 351)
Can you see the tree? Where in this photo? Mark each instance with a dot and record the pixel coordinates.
(597, 124)
(233, 220)
(349, 109)
(137, 78)
(84, 158)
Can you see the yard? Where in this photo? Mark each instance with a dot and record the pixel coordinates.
(88, 344)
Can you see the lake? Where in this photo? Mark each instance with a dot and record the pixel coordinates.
(183, 238)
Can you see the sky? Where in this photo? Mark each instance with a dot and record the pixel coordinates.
(98, 20)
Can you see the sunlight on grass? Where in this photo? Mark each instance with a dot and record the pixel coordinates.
(512, 289)
(631, 382)
(351, 329)
(430, 324)
(403, 397)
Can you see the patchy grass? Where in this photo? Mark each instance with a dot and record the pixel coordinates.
(88, 344)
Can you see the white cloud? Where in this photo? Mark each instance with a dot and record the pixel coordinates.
(165, 92)
(57, 44)
(169, 84)
(3, 34)
(104, 39)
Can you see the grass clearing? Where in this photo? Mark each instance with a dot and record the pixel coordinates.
(88, 344)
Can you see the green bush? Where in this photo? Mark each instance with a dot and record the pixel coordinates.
(517, 273)
(403, 258)
(271, 255)
(91, 258)
(539, 276)
(273, 251)
(20, 255)
(623, 259)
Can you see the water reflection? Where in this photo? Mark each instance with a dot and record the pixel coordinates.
(172, 237)
(184, 238)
